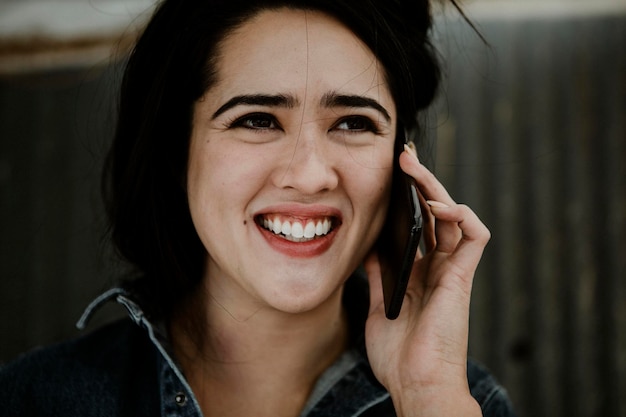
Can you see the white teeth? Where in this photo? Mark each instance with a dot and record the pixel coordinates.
(319, 228)
(277, 226)
(295, 231)
(309, 231)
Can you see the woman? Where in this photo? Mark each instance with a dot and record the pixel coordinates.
(247, 184)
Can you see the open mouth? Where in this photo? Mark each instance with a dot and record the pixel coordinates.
(297, 230)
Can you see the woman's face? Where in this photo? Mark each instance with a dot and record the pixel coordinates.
(290, 162)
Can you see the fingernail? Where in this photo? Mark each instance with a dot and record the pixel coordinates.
(437, 204)
(410, 148)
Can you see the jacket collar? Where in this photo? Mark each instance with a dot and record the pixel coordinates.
(346, 388)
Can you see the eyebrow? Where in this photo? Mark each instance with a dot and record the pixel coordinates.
(341, 100)
(329, 100)
(278, 100)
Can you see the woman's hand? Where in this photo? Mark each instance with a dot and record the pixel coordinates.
(421, 357)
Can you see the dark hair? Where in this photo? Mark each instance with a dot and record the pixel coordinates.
(171, 66)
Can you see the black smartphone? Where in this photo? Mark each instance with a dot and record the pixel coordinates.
(401, 233)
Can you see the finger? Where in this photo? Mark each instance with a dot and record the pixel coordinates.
(372, 269)
(467, 246)
(447, 231)
(475, 236)
(429, 189)
(428, 184)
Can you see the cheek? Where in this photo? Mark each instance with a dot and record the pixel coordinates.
(372, 190)
(222, 181)
(207, 186)
(382, 198)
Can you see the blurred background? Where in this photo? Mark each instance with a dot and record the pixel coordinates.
(529, 131)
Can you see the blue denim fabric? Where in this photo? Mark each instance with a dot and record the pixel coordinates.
(126, 369)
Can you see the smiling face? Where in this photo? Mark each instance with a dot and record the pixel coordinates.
(290, 162)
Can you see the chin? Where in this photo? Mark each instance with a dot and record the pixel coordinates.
(304, 299)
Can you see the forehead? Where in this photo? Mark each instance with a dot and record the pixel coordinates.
(293, 49)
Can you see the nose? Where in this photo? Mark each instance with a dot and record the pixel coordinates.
(310, 166)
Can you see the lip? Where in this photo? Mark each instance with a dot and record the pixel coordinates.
(308, 249)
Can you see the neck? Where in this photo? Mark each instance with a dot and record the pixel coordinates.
(263, 363)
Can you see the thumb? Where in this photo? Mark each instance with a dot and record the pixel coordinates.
(372, 268)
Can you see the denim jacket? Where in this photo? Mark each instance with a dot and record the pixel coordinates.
(126, 369)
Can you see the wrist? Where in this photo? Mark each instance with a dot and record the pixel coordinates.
(435, 403)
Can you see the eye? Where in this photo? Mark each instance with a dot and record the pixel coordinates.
(256, 121)
(356, 124)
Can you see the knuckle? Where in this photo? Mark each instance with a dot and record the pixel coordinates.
(485, 234)
(480, 232)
